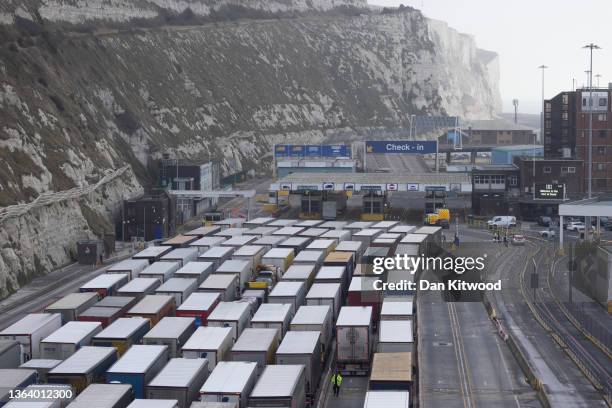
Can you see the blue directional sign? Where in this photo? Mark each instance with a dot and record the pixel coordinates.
(300, 151)
(401, 147)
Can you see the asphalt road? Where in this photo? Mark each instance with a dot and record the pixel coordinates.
(462, 360)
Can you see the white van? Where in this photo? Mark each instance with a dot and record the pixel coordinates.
(502, 221)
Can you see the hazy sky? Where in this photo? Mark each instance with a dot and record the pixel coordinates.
(527, 34)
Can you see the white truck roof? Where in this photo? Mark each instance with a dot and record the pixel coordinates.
(161, 268)
(153, 403)
(309, 256)
(282, 222)
(278, 381)
(396, 308)
(396, 331)
(272, 312)
(138, 285)
(285, 288)
(177, 285)
(413, 238)
(170, 328)
(72, 301)
(255, 339)
(233, 266)
(122, 328)
(403, 229)
(199, 301)
(138, 359)
(29, 323)
(321, 244)
(354, 316)
(282, 253)
(387, 399)
(129, 265)
(180, 253)
(208, 241)
(218, 281)
(229, 377)
(152, 252)
(330, 272)
(151, 304)
(239, 240)
(179, 372)
(299, 342)
(104, 281)
(351, 246)
(194, 268)
(208, 338)
(302, 271)
(311, 314)
(249, 250)
(72, 332)
(229, 311)
(216, 252)
(84, 360)
(101, 396)
(323, 291)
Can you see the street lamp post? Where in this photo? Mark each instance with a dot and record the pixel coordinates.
(542, 67)
(591, 47)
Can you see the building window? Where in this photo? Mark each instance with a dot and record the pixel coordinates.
(603, 102)
(601, 167)
(601, 150)
(571, 169)
(565, 99)
(602, 117)
(565, 116)
(602, 133)
(513, 181)
(547, 169)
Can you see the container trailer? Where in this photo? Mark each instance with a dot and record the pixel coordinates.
(387, 399)
(309, 223)
(69, 338)
(434, 234)
(333, 274)
(342, 259)
(181, 379)
(354, 340)
(122, 333)
(199, 306)
(231, 232)
(275, 316)
(325, 245)
(205, 243)
(88, 365)
(131, 267)
(328, 294)
(391, 372)
(269, 241)
(312, 232)
(30, 330)
(357, 248)
(42, 367)
(180, 241)
(257, 346)
(416, 239)
(71, 305)
(403, 229)
(395, 336)
(396, 310)
(279, 258)
(10, 354)
(14, 379)
(309, 256)
(181, 255)
(362, 292)
(258, 222)
(366, 236)
(162, 271)
(303, 347)
(239, 268)
(153, 307)
(315, 318)
(217, 255)
(385, 225)
(208, 404)
(203, 231)
(334, 225)
(105, 284)
(283, 222)
(293, 293)
(179, 288)
(103, 315)
(64, 392)
(230, 381)
(139, 287)
(138, 366)
(153, 253)
(226, 285)
(301, 273)
(172, 332)
(280, 386)
(154, 403)
(338, 235)
(250, 253)
(298, 244)
(370, 255)
(396, 277)
(260, 232)
(257, 296)
(104, 396)
(238, 241)
(236, 315)
(195, 270)
(358, 226)
(211, 343)
(121, 302)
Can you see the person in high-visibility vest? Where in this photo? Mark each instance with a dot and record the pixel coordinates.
(337, 382)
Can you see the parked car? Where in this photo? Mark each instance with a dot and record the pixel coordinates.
(575, 226)
(548, 233)
(502, 221)
(544, 221)
(518, 240)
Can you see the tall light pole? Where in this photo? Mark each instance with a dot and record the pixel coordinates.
(591, 47)
(542, 67)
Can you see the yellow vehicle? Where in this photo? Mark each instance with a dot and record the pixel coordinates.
(441, 217)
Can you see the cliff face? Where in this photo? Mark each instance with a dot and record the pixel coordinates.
(73, 104)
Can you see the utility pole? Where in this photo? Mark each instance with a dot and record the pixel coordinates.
(515, 103)
(591, 47)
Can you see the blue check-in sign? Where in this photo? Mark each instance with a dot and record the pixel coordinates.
(401, 147)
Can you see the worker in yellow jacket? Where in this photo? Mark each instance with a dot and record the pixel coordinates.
(336, 382)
